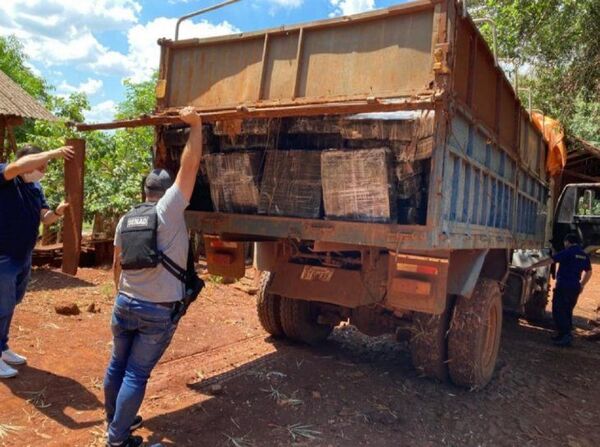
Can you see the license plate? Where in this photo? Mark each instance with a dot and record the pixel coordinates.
(322, 274)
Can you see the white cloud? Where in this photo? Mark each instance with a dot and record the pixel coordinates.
(58, 33)
(287, 3)
(52, 18)
(33, 69)
(143, 54)
(274, 6)
(55, 32)
(89, 87)
(101, 112)
(347, 7)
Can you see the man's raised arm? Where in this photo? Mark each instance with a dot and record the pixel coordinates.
(31, 162)
(192, 153)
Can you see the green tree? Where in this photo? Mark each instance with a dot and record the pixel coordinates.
(50, 135)
(13, 63)
(115, 161)
(557, 42)
(120, 160)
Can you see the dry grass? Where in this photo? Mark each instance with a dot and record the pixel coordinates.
(38, 398)
(302, 431)
(6, 429)
(238, 442)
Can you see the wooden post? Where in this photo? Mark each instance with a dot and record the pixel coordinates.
(2, 140)
(12, 141)
(72, 225)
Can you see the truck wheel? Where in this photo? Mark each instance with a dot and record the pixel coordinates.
(474, 335)
(535, 307)
(268, 307)
(428, 344)
(299, 322)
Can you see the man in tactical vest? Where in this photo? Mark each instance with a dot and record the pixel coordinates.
(151, 253)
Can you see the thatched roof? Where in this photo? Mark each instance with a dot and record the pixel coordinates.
(14, 101)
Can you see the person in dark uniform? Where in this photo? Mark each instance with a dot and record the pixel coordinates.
(22, 208)
(572, 261)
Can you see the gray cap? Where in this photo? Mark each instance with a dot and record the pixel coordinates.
(158, 180)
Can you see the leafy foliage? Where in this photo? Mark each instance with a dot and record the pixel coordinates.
(556, 45)
(115, 161)
(13, 64)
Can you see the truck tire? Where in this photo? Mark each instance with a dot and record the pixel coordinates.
(428, 345)
(299, 322)
(535, 307)
(474, 335)
(268, 307)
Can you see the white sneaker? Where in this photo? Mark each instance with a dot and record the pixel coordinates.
(6, 371)
(12, 358)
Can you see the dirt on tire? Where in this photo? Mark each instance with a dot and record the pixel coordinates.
(535, 307)
(268, 307)
(474, 335)
(428, 345)
(299, 322)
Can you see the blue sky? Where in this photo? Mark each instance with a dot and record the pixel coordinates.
(93, 45)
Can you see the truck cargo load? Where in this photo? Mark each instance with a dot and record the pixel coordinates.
(431, 174)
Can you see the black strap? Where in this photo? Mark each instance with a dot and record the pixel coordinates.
(174, 269)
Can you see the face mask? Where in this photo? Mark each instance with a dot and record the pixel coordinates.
(32, 177)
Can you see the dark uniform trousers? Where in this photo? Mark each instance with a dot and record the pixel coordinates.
(563, 303)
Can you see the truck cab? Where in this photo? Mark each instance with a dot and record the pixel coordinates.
(578, 211)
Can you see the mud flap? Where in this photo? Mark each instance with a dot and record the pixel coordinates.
(225, 259)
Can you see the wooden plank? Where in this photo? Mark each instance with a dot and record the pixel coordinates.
(12, 141)
(340, 108)
(2, 138)
(263, 66)
(74, 174)
(298, 67)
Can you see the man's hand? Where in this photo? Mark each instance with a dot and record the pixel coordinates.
(64, 152)
(189, 116)
(60, 209)
(32, 162)
(49, 217)
(191, 155)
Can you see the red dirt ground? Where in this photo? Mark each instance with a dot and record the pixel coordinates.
(352, 391)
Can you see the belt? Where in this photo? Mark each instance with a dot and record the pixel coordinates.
(168, 305)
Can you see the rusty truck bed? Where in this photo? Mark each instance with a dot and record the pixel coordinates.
(488, 182)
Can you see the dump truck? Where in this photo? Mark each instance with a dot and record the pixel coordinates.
(381, 163)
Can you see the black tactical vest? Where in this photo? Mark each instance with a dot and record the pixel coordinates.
(139, 248)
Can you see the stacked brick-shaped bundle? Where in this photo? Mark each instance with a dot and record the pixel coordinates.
(359, 185)
(291, 184)
(234, 181)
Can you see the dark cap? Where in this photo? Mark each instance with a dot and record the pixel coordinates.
(158, 180)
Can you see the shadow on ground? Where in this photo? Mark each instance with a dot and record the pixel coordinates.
(356, 390)
(54, 396)
(46, 279)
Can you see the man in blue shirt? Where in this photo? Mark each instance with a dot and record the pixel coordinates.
(22, 208)
(573, 261)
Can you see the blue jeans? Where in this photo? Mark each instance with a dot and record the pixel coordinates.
(142, 332)
(14, 277)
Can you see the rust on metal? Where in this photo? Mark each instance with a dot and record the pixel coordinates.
(427, 56)
(73, 221)
(319, 108)
(326, 61)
